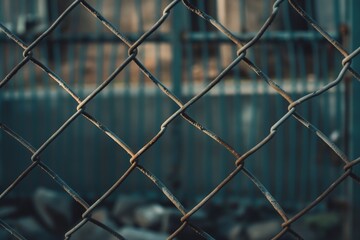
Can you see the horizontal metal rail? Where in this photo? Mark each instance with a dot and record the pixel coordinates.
(273, 36)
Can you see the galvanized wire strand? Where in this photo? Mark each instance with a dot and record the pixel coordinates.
(318, 199)
(299, 117)
(106, 23)
(355, 177)
(326, 140)
(146, 172)
(184, 115)
(134, 161)
(319, 29)
(177, 231)
(281, 233)
(200, 232)
(210, 195)
(14, 71)
(263, 28)
(45, 168)
(166, 13)
(18, 179)
(55, 177)
(351, 164)
(157, 82)
(292, 232)
(281, 92)
(215, 23)
(296, 115)
(322, 89)
(11, 231)
(106, 228)
(12, 36)
(57, 79)
(108, 132)
(106, 82)
(38, 63)
(351, 56)
(216, 138)
(266, 193)
(36, 161)
(306, 97)
(322, 136)
(69, 233)
(163, 188)
(51, 28)
(35, 157)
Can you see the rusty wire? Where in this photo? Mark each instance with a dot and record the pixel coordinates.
(239, 158)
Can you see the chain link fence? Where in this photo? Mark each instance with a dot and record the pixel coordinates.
(135, 155)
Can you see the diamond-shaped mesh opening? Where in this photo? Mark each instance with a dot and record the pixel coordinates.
(13, 55)
(80, 164)
(76, 57)
(137, 107)
(30, 105)
(14, 160)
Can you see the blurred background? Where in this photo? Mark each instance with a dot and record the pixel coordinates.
(185, 54)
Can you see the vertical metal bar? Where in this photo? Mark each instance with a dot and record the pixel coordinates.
(355, 117)
(239, 99)
(325, 101)
(176, 73)
(72, 60)
(315, 120)
(98, 110)
(27, 82)
(224, 102)
(340, 99)
(254, 121)
(112, 97)
(279, 152)
(336, 99)
(159, 113)
(82, 155)
(292, 158)
(189, 188)
(243, 24)
(56, 155)
(127, 119)
(206, 179)
(304, 155)
(239, 103)
(141, 102)
(60, 105)
(35, 104)
(2, 73)
(265, 101)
